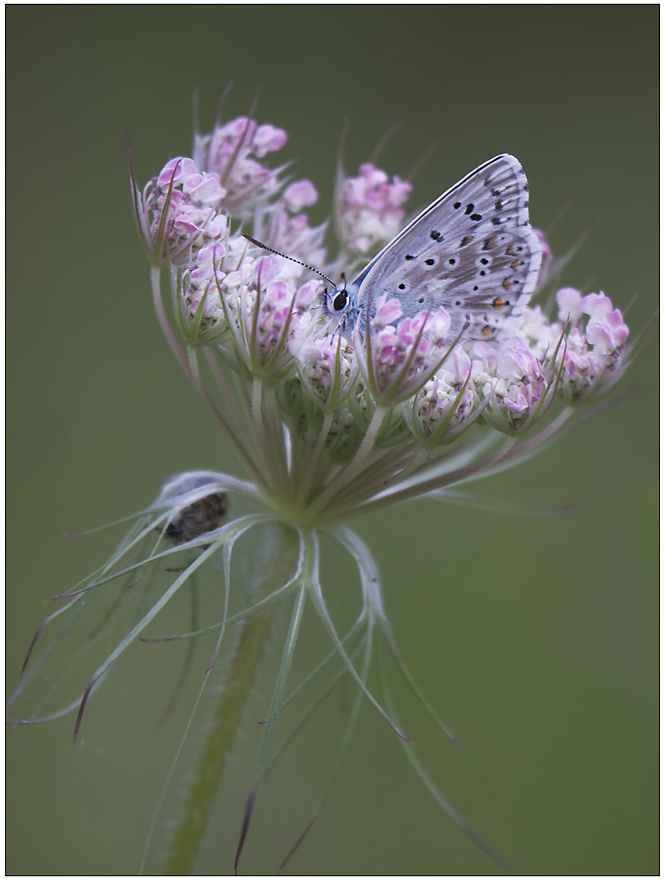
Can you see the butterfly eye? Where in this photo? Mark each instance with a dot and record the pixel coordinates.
(340, 300)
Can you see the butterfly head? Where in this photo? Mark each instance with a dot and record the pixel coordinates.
(339, 305)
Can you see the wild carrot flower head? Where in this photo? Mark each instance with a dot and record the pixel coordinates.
(330, 420)
(178, 212)
(231, 152)
(596, 352)
(369, 209)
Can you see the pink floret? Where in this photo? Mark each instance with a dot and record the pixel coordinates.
(300, 194)
(596, 305)
(268, 139)
(387, 311)
(569, 301)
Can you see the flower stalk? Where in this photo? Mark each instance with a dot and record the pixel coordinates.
(225, 721)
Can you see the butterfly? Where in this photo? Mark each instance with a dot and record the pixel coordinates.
(471, 251)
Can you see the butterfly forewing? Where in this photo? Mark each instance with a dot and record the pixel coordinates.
(471, 251)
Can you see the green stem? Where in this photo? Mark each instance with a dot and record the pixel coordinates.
(223, 726)
(155, 273)
(218, 742)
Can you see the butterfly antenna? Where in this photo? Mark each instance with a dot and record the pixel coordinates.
(287, 257)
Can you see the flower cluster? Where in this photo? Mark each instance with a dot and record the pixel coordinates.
(596, 344)
(179, 212)
(227, 152)
(262, 314)
(369, 209)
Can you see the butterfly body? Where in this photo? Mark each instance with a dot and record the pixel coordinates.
(471, 251)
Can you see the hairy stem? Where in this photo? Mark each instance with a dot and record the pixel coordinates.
(224, 724)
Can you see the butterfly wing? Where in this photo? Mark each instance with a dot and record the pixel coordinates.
(472, 251)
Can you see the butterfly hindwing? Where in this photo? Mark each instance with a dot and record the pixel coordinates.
(472, 251)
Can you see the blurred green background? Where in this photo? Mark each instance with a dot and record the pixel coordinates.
(536, 639)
